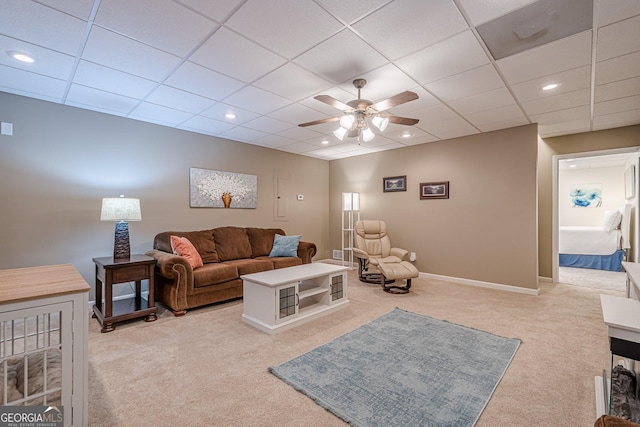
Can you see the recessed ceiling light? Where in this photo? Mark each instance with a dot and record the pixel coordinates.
(406, 135)
(325, 142)
(22, 57)
(230, 116)
(550, 86)
(572, 166)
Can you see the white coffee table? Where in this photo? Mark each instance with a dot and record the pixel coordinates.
(277, 300)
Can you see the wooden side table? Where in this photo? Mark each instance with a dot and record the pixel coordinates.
(109, 273)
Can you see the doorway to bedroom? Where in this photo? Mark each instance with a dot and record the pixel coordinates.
(595, 225)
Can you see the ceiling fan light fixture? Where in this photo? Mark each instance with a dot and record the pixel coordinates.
(347, 121)
(340, 133)
(368, 135)
(380, 122)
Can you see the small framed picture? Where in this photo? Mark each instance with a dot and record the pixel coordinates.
(394, 183)
(434, 190)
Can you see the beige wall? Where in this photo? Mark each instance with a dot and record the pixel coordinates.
(61, 161)
(578, 143)
(485, 231)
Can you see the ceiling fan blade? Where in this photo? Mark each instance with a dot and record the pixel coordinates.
(319, 122)
(330, 100)
(395, 100)
(400, 120)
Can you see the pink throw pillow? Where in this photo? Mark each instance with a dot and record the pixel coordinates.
(183, 247)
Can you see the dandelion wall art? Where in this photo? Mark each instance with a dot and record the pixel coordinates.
(218, 189)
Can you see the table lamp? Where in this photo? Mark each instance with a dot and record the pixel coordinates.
(121, 210)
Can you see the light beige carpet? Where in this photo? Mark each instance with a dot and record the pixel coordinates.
(590, 278)
(208, 368)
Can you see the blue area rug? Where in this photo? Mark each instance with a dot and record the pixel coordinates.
(403, 369)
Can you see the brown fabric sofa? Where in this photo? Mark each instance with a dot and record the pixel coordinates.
(227, 253)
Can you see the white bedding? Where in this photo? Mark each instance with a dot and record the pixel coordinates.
(582, 240)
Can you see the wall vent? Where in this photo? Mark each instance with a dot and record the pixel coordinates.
(337, 254)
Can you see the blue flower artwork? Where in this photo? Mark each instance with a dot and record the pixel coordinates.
(586, 196)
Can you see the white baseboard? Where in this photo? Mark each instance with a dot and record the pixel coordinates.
(545, 279)
(480, 284)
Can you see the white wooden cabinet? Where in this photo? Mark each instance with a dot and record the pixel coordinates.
(279, 299)
(43, 336)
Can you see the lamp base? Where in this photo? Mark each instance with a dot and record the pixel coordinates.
(121, 248)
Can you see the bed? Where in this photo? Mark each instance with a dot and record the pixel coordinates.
(598, 247)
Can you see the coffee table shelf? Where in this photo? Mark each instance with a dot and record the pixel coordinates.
(280, 299)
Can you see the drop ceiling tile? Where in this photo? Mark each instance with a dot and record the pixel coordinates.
(159, 114)
(480, 11)
(147, 20)
(203, 81)
(46, 61)
(78, 8)
(179, 99)
(216, 10)
(257, 100)
(382, 83)
(297, 113)
(37, 24)
(483, 101)
(273, 141)
(435, 114)
(350, 11)
(618, 39)
(400, 28)
(336, 92)
(502, 114)
(561, 101)
(342, 57)
(608, 121)
(292, 82)
(452, 56)
(564, 127)
(110, 80)
(619, 89)
(425, 99)
(505, 124)
(300, 134)
(120, 53)
(619, 105)
(220, 110)
(99, 100)
(468, 83)
(293, 26)
(416, 135)
(569, 81)
(619, 68)
(570, 114)
(267, 124)
(451, 128)
(205, 125)
(243, 59)
(243, 134)
(29, 84)
(565, 54)
(613, 11)
(299, 147)
(345, 147)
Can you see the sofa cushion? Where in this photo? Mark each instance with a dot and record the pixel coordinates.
(261, 240)
(285, 246)
(201, 240)
(248, 266)
(231, 243)
(282, 262)
(183, 247)
(214, 273)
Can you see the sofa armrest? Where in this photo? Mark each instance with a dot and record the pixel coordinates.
(176, 272)
(306, 251)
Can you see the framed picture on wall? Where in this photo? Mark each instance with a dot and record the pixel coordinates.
(630, 182)
(394, 183)
(434, 190)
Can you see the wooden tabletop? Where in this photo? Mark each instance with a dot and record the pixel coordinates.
(23, 284)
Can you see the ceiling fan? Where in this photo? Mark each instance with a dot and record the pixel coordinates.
(358, 113)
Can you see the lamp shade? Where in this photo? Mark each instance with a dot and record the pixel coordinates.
(346, 121)
(367, 135)
(340, 133)
(120, 209)
(380, 122)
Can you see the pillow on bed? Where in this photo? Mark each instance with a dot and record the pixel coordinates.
(611, 220)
